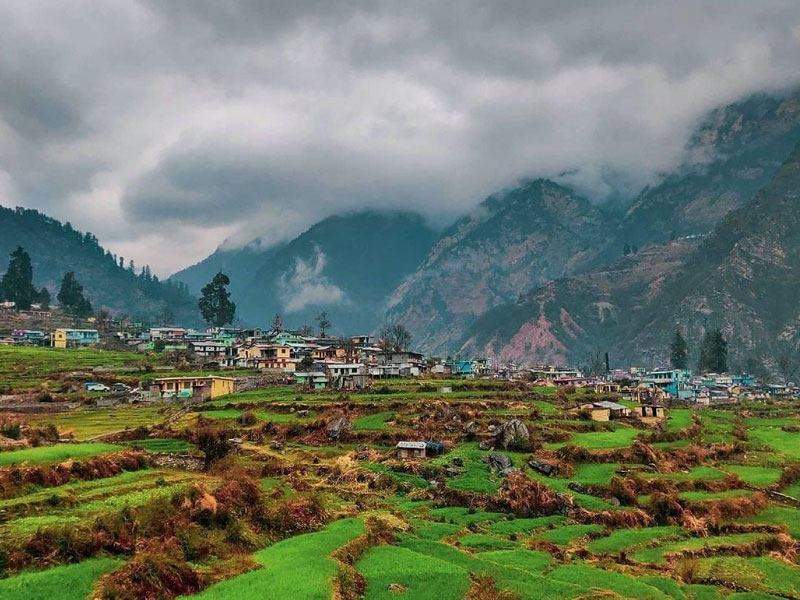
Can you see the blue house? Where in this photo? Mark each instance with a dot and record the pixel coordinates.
(672, 381)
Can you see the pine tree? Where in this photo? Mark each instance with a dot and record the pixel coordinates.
(72, 298)
(44, 298)
(714, 353)
(678, 353)
(17, 282)
(324, 323)
(215, 301)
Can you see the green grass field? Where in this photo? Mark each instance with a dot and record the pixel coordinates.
(298, 567)
(70, 582)
(88, 423)
(56, 453)
(444, 539)
(373, 422)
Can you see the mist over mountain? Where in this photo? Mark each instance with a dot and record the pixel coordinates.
(744, 278)
(345, 265)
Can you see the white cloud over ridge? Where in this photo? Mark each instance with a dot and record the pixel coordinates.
(306, 285)
(167, 128)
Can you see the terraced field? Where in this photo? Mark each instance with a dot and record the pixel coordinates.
(289, 510)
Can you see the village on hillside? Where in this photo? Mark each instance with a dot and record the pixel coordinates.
(356, 362)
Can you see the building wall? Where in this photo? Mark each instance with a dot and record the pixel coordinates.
(221, 387)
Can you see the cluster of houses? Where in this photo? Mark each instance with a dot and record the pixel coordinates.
(58, 338)
(654, 386)
(347, 363)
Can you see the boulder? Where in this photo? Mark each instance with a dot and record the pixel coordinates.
(499, 462)
(512, 433)
(484, 445)
(458, 461)
(577, 487)
(338, 428)
(471, 428)
(543, 467)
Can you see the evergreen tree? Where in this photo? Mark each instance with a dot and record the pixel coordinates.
(44, 298)
(678, 353)
(714, 353)
(17, 283)
(324, 323)
(72, 298)
(215, 301)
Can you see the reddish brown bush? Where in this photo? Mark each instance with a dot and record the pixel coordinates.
(526, 498)
(158, 571)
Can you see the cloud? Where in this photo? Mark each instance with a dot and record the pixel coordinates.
(306, 285)
(168, 127)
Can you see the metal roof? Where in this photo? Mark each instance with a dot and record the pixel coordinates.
(411, 445)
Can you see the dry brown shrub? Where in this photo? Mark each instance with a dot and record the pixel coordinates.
(614, 519)
(158, 571)
(695, 525)
(484, 587)
(526, 498)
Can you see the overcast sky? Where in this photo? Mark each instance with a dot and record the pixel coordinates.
(168, 127)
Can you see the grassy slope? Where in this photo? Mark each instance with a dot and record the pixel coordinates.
(70, 582)
(297, 567)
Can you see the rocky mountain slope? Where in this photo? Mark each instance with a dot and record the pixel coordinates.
(56, 248)
(569, 320)
(513, 241)
(734, 152)
(744, 278)
(346, 265)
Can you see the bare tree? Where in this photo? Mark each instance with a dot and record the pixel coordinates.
(395, 338)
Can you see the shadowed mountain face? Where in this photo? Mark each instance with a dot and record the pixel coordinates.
(734, 153)
(743, 278)
(56, 248)
(345, 265)
(515, 240)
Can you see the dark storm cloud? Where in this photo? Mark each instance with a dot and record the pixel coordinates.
(167, 127)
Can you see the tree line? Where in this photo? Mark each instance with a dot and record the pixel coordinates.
(713, 352)
(17, 286)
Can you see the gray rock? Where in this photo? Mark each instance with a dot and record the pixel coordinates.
(577, 487)
(512, 432)
(471, 428)
(499, 462)
(484, 445)
(458, 461)
(338, 428)
(508, 471)
(543, 467)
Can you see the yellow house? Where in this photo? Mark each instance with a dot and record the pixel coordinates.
(193, 387)
(58, 339)
(64, 338)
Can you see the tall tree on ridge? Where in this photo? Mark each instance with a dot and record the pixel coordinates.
(72, 298)
(215, 301)
(17, 283)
